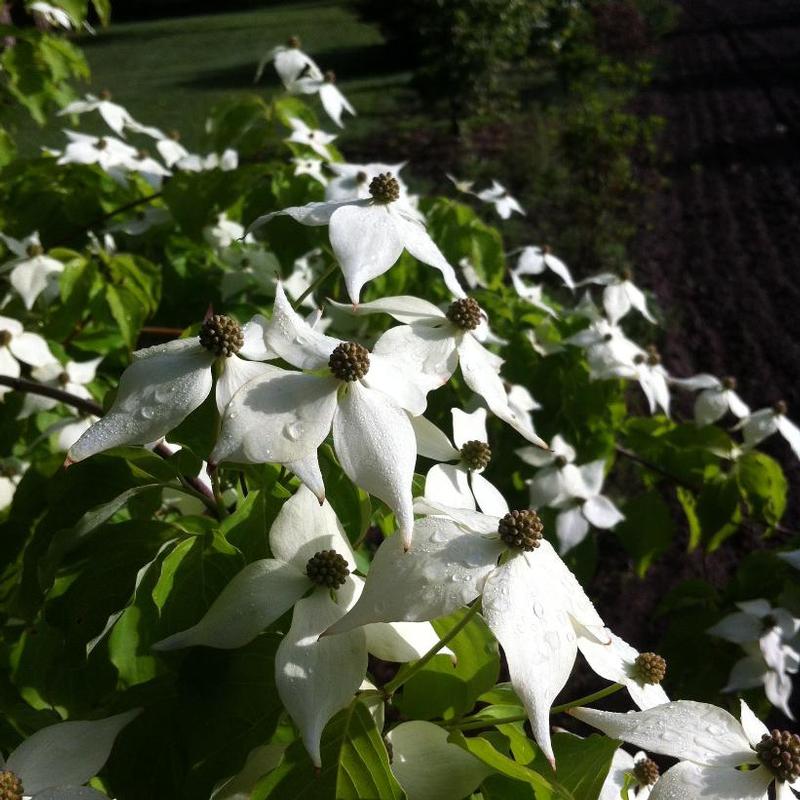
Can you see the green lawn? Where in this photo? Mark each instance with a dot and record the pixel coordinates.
(171, 72)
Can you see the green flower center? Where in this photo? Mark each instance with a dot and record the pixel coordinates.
(646, 771)
(384, 188)
(10, 786)
(649, 668)
(779, 752)
(349, 361)
(327, 568)
(465, 314)
(221, 335)
(521, 530)
(476, 454)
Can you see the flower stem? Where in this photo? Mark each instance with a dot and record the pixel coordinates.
(402, 677)
(315, 285)
(474, 723)
(91, 407)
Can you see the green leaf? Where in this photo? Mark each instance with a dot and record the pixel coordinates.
(355, 764)
(441, 690)
(763, 484)
(647, 530)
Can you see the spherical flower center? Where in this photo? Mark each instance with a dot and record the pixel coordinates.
(608, 337)
(560, 461)
(34, 250)
(779, 752)
(330, 76)
(780, 408)
(649, 668)
(729, 383)
(653, 356)
(10, 786)
(221, 335)
(384, 188)
(63, 378)
(5, 338)
(476, 454)
(293, 42)
(100, 144)
(174, 135)
(646, 771)
(327, 568)
(105, 94)
(465, 314)
(521, 530)
(349, 361)
(626, 275)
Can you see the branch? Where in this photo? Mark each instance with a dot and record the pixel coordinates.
(91, 407)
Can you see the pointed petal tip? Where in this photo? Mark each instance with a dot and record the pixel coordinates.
(68, 462)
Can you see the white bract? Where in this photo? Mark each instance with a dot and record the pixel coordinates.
(55, 762)
(11, 472)
(432, 345)
(461, 186)
(311, 167)
(710, 744)
(764, 423)
(504, 204)
(352, 181)
(165, 383)
(620, 296)
(622, 765)
(112, 155)
(647, 370)
(369, 235)
(333, 101)
(291, 63)
(52, 15)
(18, 345)
(716, 398)
(71, 377)
(283, 417)
(606, 346)
(32, 272)
(533, 604)
(317, 140)
(315, 677)
(535, 260)
(115, 116)
(531, 292)
(770, 638)
(461, 485)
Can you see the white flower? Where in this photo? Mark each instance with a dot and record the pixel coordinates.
(11, 472)
(533, 604)
(283, 417)
(57, 17)
(459, 485)
(352, 181)
(171, 150)
(110, 154)
(225, 232)
(764, 423)
(317, 140)
(315, 678)
(291, 63)
(606, 347)
(533, 293)
(115, 116)
(461, 186)
(311, 167)
(716, 398)
(71, 378)
(32, 272)
(710, 744)
(620, 295)
(16, 345)
(521, 403)
(646, 368)
(770, 638)
(504, 204)
(428, 767)
(229, 160)
(333, 101)
(165, 383)
(535, 260)
(55, 761)
(622, 765)
(435, 342)
(368, 236)
(64, 433)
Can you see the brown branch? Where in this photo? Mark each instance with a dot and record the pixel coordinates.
(91, 407)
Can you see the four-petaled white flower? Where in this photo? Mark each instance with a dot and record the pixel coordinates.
(711, 744)
(770, 638)
(284, 416)
(112, 155)
(459, 485)
(647, 370)
(291, 63)
(764, 423)
(461, 186)
(317, 140)
(716, 398)
(606, 346)
(352, 181)
(624, 764)
(18, 345)
(531, 601)
(504, 204)
(165, 383)
(71, 377)
(32, 272)
(434, 342)
(315, 677)
(55, 762)
(369, 235)
(535, 260)
(333, 101)
(115, 116)
(311, 167)
(620, 295)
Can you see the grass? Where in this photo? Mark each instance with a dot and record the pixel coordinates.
(171, 72)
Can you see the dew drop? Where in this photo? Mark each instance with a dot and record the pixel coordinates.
(147, 412)
(538, 610)
(293, 430)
